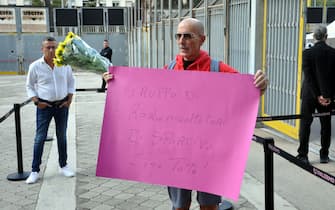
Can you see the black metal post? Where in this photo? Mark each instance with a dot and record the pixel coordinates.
(21, 175)
(268, 170)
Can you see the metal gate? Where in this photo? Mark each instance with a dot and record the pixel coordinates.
(283, 45)
(239, 32)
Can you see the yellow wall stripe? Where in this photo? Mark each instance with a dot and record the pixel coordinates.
(9, 72)
(264, 50)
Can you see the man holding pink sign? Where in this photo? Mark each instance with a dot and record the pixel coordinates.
(190, 37)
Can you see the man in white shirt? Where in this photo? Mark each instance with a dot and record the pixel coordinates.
(51, 89)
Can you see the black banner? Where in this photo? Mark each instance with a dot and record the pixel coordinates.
(93, 17)
(115, 17)
(66, 17)
(314, 15)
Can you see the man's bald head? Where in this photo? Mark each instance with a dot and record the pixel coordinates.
(190, 37)
(197, 26)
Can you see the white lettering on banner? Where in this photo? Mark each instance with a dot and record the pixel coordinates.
(323, 175)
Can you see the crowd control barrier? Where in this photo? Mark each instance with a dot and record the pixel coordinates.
(20, 175)
(268, 145)
(270, 148)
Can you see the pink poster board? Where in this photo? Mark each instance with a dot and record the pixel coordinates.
(185, 129)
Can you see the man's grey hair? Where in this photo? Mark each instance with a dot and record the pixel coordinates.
(320, 33)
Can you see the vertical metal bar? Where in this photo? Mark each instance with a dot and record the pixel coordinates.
(191, 8)
(171, 39)
(18, 137)
(150, 36)
(324, 12)
(80, 22)
(179, 10)
(268, 170)
(130, 35)
(20, 175)
(171, 30)
(162, 33)
(226, 31)
(136, 34)
(206, 23)
(156, 35)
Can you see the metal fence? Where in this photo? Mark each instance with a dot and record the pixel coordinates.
(239, 29)
(247, 35)
(282, 58)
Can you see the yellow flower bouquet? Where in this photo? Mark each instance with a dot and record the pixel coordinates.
(76, 52)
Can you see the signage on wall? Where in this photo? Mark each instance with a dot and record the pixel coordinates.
(34, 20)
(7, 20)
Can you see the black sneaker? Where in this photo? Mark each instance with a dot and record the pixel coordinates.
(303, 158)
(324, 159)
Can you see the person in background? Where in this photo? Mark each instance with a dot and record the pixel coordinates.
(51, 89)
(107, 52)
(317, 65)
(190, 37)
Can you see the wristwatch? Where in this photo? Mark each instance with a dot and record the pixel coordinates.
(36, 103)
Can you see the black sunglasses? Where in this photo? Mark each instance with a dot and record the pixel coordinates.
(51, 47)
(186, 36)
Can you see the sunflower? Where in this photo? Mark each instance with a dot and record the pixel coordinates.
(76, 52)
(59, 51)
(58, 62)
(69, 37)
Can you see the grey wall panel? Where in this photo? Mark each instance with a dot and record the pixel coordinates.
(216, 32)
(282, 56)
(239, 23)
(160, 46)
(8, 53)
(166, 41)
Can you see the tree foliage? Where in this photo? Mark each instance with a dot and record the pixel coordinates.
(320, 3)
(56, 3)
(37, 3)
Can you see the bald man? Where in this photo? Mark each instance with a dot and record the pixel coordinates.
(190, 37)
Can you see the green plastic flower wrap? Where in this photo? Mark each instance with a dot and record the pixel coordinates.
(76, 52)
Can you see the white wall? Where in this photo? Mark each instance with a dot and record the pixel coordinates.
(122, 3)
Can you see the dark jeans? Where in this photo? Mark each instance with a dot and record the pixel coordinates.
(308, 107)
(43, 118)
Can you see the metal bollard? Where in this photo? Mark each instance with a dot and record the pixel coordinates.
(20, 175)
(268, 170)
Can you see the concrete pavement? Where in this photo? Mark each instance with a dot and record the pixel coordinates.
(86, 191)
